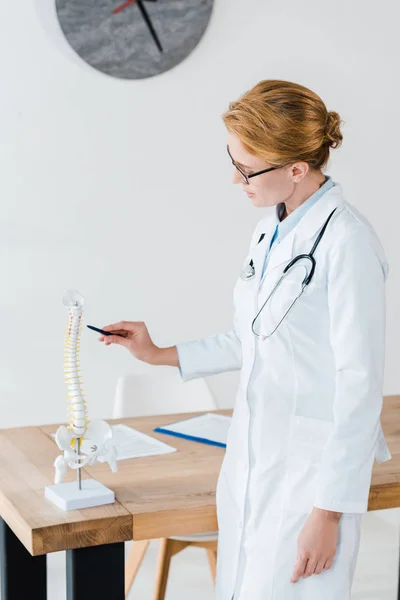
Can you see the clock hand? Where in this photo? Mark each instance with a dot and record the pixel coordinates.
(149, 25)
(125, 5)
(144, 15)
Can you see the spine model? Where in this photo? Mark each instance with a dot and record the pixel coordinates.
(83, 441)
(77, 417)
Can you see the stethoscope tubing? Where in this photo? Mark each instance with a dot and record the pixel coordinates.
(306, 281)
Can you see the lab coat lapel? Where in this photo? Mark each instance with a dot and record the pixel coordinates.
(262, 247)
(308, 226)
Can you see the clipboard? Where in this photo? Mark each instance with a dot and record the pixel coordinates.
(208, 428)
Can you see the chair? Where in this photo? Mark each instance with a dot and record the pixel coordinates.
(164, 393)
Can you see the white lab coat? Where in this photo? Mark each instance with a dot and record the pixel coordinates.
(306, 423)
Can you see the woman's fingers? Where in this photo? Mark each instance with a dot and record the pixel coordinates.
(310, 568)
(299, 569)
(120, 331)
(328, 563)
(123, 326)
(123, 332)
(319, 567)
(305, 567)
(133, 335)
(115, 339)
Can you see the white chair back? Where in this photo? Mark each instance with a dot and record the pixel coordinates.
(145, 394)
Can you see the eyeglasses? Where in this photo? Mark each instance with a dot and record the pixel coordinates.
(244, 175)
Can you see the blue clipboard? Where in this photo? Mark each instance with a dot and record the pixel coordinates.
(185, 436)
(189, 437)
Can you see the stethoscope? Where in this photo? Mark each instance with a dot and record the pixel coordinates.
(249, 272)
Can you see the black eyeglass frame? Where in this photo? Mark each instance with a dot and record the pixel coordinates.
(244, 175)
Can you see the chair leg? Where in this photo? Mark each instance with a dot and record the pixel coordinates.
(134, 561)
(168, 548)
(212, 559)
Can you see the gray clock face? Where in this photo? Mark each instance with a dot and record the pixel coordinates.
(133, 39)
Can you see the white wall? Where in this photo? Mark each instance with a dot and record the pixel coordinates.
(123, 190)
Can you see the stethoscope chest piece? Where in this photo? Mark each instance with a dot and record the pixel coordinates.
(248, 272)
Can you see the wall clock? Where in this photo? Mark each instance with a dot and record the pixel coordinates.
(133, 39)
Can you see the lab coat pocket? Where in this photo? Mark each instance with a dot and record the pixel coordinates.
(308, 439)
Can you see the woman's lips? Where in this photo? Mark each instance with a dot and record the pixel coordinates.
(250, 194)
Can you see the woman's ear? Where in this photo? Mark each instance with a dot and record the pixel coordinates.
(298, 171)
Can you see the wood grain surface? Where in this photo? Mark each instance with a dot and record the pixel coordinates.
(156, 496)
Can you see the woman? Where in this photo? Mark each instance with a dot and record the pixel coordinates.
(306, 426)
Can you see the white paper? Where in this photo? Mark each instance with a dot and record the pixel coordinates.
(131, 443)
(210, 426)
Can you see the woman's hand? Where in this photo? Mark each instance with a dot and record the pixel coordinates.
(137, 339)
(316, 544)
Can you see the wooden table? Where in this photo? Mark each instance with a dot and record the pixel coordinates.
(159, 496)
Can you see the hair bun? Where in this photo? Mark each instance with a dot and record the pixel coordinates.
(333, 134)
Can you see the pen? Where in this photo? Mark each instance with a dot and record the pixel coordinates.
(106, 332)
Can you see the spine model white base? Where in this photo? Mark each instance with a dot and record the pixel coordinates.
(82, 441)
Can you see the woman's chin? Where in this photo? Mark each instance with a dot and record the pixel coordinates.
(255, 200)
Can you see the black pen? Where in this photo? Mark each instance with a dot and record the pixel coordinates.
(106, 332)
